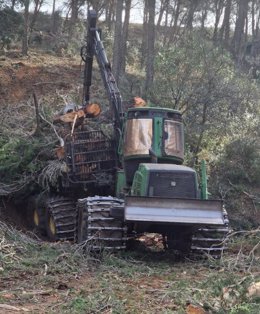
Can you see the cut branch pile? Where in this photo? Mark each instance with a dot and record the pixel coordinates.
(247, 247)
(17, 247)
(12, 243)
(51, 173)
(26, 146)
(10, 189)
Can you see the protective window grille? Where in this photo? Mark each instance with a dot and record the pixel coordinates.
(89, 154)
(173, 184)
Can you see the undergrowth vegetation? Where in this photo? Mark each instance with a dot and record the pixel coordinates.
(63, 278)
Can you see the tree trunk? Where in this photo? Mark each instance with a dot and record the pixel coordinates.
(110, 12)
(125, 34)
(13, 3)
(150, 46)
(239, 34)
(117, 55)
(161, 11)
(144, 33)
(257, 21)
(246, 30)
(253, 18)
(53, 28)
(166, 22)
(203, 19)
(174, 28)
(98, 5)
(73, 17)
(218, 6)
(193, 4)
(37, 6)
(25, 28)
(224, 33)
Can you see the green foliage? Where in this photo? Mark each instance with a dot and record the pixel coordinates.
(75, 43)
(245, 308)
(11, 23)
(79, 305)
(17, 157)
(200, 79)
(44, 22)
(236, 177)
(241, 161)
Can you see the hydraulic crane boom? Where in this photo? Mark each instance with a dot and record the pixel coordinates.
(94, 47)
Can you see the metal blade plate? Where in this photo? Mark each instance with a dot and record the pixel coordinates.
(169, 210)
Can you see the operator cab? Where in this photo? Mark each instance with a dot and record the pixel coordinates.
(152, 135)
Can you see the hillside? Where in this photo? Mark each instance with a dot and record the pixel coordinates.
(41, 72)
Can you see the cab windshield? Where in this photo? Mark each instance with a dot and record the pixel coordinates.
(138, 136)
(173, 138)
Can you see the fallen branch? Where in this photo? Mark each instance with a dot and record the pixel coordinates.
(37, 115)
(13, 308)
(9, 189)
(52, 82)
(54, 129)
(37, 292)
(243, 259)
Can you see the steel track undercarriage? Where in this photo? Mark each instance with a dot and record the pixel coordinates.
(100, 231)
(92, 224)
(61, 218)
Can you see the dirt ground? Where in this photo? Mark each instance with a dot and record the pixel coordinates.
(41, 72)
(132, 282)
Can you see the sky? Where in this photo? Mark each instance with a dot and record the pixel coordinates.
(136, 11)
(135, 17)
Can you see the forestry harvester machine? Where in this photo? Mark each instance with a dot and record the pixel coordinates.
(133, 182)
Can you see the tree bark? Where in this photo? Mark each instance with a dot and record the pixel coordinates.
(161, 11)
(176, 15)
(253, 18)
(37, 6)
(239, 33)
(73, 17)
(144, 33)
(117, 55)
(25, 28)
(257, 21)
(203, 19)
(98, 5)
(218, 7)
(13, 3)
(224, 33)
(53, 30)
(110, 13)
(125, 34)
(166, 22)
(150, 46)
(193, 4)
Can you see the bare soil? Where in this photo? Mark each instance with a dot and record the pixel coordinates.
(44, 73)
